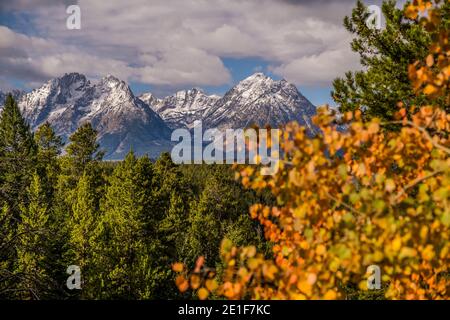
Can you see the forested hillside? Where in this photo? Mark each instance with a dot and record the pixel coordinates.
(123, 223)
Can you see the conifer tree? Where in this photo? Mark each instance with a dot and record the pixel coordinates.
(385, 55)
(174, 226)
(131, 268)
(83, 147)
(7, 253)
(17, 156)
(218, 212)
(32, 251)
(82, 159)
(82, 225)
(83, 156)
(48, 149)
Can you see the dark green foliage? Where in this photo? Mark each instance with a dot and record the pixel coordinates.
(385, 55)
(8, 243)
(17, 156)
(48, 149)
(127, 235)
(216, 213)
(123, 223)
(32, 247)
(83, 148)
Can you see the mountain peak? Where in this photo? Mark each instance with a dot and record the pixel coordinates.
(124, 120)
(72, 76)
(121, 120)
(260, 100)
(257, 80)
(257, 75)
(120, 88)
(111, 81)
(69, 79)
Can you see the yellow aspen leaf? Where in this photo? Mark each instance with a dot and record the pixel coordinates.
(182, 283)
(430, 89)
(411, 12)
(430, 60)
(297, 296)
(269, 271)
(397, 243)
(178, 267)
(211, 285)
(428, 252)
(362, 285)
(389, 185)
(202, 293)
(304, 287)
(253, 263)
(330, 295)
(195, 281)
(320, 250)
(444, 253)
(423, 232)
(373, 127)
(407, 252)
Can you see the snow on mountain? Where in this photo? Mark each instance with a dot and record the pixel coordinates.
(182, 108)
(123, 121)
(257, 99)
(260, 100)
(144, 124)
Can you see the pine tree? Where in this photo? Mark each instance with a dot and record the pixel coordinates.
(8, 242)
(83, 157)
(32, 252)
(82, 226)
(83, 148)
(49, 148)
(131, 268)
(219, 212)
(167, 178)
(80, 186)
(17, 156)
(174, 226)
(385, 55)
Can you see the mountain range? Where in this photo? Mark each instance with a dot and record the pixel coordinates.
(144, 124)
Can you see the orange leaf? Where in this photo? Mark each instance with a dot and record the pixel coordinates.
(178, 267)
(203, 293)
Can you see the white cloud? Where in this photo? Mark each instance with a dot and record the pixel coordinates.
(181, 42)
(318, 69)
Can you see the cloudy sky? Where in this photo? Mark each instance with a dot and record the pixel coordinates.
(166, 45)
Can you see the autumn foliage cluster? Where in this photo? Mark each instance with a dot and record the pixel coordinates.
(350, 198)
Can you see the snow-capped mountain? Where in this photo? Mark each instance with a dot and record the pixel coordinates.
(123, 121)
(182, 108)
(257, 99)
(144, 124)
(260, 100)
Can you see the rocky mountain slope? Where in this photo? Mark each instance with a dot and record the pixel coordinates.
(123, 121)
(182, 108)
(259, 100)
(144, 124)
(256, 100)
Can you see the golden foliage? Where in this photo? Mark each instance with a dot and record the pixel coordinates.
(348, 199)
(431, 76)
